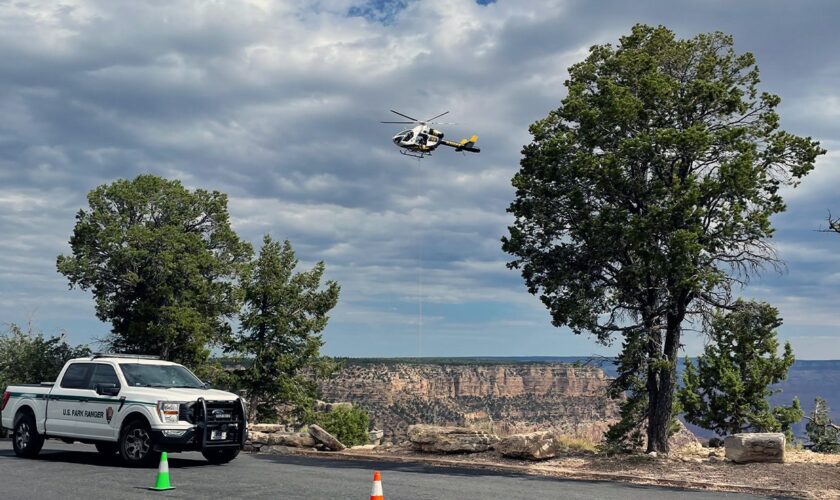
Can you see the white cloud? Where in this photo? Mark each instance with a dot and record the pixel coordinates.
(276, 103)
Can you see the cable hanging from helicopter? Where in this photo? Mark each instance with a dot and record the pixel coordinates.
(422, 139)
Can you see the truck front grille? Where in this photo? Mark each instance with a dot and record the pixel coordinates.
(222, 411)
(225, 418)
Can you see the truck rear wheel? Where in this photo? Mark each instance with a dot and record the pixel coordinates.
(220, 455)
(25, 439)
(135, 445)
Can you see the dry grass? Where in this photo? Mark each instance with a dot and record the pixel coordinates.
(575, 444)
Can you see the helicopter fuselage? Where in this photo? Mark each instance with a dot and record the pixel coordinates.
(421, 139)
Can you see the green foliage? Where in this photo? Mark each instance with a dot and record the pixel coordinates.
(160, 261)
(823, 434)
(648, 194)
(728, 389)
(626, 435)
(280, 325)
(348, 424)
(27, 357)
(214, 372)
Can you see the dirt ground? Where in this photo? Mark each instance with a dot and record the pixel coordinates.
(804, 474)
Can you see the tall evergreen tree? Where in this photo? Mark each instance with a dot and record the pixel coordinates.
(647, 195)
(160, 261)
(822, 432)
(727, 391)
(280, 330)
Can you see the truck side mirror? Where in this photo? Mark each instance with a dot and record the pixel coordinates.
(107, 389)
(207, 385)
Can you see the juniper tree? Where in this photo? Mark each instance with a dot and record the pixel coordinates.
(647, 195)
(728, 389)
(161, 262)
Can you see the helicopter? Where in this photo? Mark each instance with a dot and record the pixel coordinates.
(421, 140)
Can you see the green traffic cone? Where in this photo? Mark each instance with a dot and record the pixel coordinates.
(162, 482)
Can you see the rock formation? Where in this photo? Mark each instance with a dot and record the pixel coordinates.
(328, 440)
(755, 447)
(438, 439)
(531, 446)
(505, 398)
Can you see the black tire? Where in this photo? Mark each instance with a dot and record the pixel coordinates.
(135, 445)
(107, 449)
(25, 438)
(220, 456)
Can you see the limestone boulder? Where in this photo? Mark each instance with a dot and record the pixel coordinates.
(325, 438)
(684, 440)
(755, 447)
(291, 439)
(531, 446)
(439, 439)
(267, 428)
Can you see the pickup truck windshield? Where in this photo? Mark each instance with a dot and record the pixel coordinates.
(167, 376)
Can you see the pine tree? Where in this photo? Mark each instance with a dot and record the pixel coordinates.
(822, 432)
(728, 389)
(280, 330)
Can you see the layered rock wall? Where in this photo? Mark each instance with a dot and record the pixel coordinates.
(504, 398)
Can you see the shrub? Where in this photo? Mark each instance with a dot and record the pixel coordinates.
(27, 356)
(348, 424)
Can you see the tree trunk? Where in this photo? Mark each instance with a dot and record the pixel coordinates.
(662, 382)
(661, 400)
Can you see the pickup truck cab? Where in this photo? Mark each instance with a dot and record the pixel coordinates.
(134, 406)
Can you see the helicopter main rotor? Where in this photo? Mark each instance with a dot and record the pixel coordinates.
(420, 122)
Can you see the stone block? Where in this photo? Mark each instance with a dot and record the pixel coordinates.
(438, 439)
(531, 446)
(755, 447)
(325, 438)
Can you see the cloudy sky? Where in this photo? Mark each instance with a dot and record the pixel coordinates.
(277, 103)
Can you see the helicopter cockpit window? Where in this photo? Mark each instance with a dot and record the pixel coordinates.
(407, 137)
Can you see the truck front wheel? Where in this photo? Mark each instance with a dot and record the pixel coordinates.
(135, 445)
(221, 455)
(25, 438)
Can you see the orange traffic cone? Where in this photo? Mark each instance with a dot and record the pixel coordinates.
(376, 492)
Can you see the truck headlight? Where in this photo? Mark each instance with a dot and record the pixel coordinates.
(168, 411)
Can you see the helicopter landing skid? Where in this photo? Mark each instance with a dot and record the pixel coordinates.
(405, 152)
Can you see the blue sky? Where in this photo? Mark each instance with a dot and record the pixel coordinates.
(278, 103)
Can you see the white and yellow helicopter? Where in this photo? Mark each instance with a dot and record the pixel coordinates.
(421, 140)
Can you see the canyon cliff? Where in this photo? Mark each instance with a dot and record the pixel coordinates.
(504, 398)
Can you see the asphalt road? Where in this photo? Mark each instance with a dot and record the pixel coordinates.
(77, 471)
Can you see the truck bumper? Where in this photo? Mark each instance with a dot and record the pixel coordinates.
(176, 440)
(229, 430)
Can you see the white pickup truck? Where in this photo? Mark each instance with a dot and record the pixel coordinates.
(136, 406)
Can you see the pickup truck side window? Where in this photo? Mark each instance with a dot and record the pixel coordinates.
(76, 376)
(103, 374)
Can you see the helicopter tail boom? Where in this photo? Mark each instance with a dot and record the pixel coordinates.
(464, 145)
